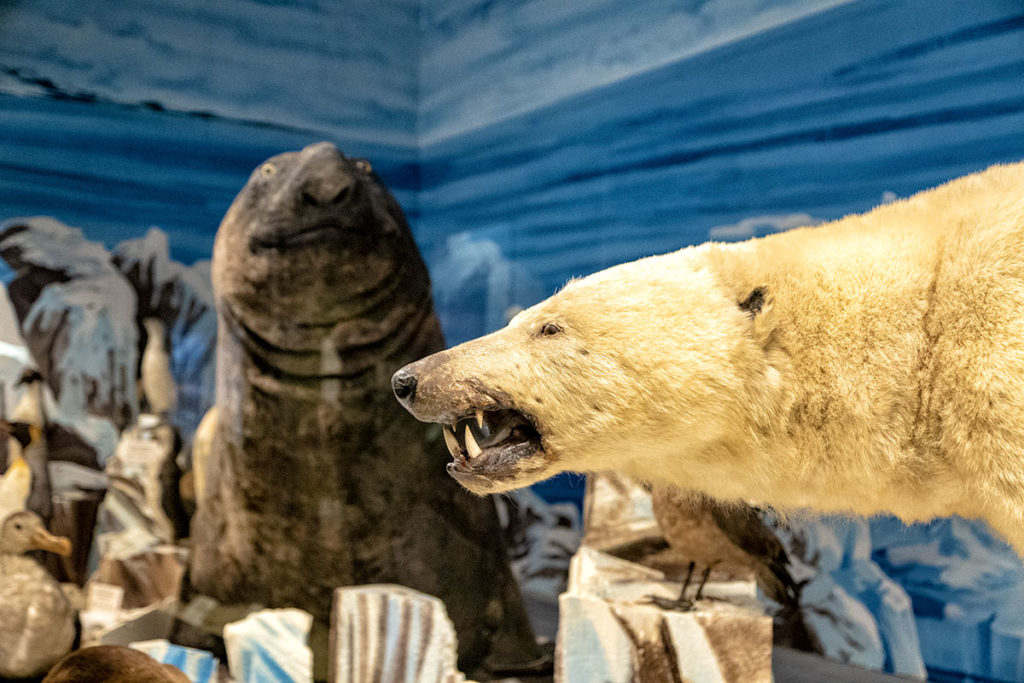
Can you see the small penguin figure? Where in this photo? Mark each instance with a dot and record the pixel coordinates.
(158, 386)
(16, 482)
(30, 413)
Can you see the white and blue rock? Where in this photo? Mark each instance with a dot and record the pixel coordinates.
(270, 645)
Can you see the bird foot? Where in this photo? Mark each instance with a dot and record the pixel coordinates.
(679, 604)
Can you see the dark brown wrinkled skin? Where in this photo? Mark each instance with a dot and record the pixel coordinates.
(113, 664)
(318, 477)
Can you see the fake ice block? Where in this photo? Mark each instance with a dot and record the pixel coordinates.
(609, 629)
(391, 633)
(270, 645)
(198, 665)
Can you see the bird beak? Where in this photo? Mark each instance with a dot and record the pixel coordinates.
(43, 540)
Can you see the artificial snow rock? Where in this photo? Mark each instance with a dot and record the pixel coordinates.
(609, 629)
(391, 633)
(270, 645)
(617, 512)
(81, 312)
(198, 665)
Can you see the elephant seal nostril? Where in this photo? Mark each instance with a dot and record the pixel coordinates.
(404, 385)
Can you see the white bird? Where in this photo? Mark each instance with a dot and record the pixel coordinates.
(37, 622)
(158, 384)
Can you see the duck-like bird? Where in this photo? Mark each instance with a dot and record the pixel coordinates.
(37, 622)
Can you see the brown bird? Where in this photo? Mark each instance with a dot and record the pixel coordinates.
(728, 537)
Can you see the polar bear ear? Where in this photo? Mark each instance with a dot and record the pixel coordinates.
(754, 302)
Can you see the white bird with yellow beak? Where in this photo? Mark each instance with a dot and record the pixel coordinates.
(37, 622)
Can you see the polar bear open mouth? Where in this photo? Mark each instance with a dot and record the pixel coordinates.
(489, 443)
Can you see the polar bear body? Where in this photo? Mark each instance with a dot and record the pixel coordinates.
(873, 364)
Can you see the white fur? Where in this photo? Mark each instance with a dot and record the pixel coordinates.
(884, 373)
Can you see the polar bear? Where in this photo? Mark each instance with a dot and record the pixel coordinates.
(873, 364)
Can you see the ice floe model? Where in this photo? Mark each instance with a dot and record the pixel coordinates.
(874, 364)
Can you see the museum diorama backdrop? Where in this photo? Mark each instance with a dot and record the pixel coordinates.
(528, 143)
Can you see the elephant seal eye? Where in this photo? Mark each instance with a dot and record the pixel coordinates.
(267, 170)
(364, 166)
(548, 329)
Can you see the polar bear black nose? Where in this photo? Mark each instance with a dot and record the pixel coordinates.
(404, 385)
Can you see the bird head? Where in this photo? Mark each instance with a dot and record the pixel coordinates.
(29, 376)
(23, 432)
(24, 531)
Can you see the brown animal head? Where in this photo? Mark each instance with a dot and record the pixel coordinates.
(314, 237)
(113, 664)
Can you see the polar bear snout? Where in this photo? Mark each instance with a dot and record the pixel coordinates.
(424, 388)
(403, 383)
(495, 445)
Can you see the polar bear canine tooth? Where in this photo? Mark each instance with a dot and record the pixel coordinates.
(472, 448)
(480, 418)
(450, 440)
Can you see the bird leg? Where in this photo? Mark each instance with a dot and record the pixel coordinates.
(682, 603)
(686, 581)
(703, 582)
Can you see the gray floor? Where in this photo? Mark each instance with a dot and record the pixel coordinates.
(793, 666)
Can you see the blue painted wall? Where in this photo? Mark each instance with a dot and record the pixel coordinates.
(118, 117)
(822, 116)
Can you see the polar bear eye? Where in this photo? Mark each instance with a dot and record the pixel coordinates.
(548, 329)
(364, 166)
(267, 170)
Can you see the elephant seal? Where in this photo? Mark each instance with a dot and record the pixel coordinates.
(317, 478)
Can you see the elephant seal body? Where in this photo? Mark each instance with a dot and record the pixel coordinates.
(317, 478)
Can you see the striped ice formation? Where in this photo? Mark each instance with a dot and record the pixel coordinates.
(391, 633)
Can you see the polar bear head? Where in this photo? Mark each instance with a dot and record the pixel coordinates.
(645, 365)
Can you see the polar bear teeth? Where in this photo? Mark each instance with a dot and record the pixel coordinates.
(468, 437)
(451, 441)
(472, 448)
